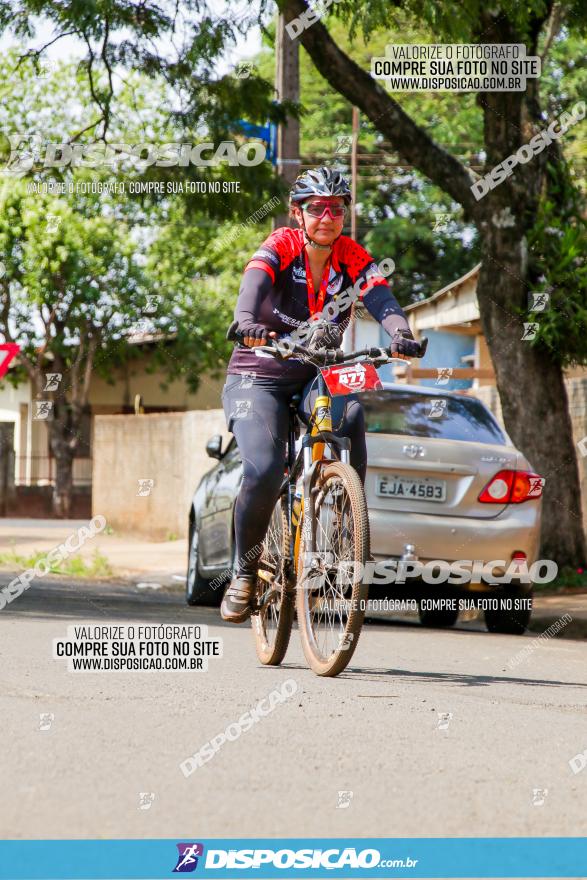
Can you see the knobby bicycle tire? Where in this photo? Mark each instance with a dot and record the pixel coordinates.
(343, 481)
(273, 621)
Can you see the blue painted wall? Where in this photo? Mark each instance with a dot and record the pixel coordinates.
(444, 350)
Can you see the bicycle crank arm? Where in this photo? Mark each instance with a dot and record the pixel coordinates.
(270, 597)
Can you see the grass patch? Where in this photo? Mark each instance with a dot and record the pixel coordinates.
(571, 578)
(74, 566)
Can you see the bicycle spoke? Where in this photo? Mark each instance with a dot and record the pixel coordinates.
(328, 614)
(272, 621)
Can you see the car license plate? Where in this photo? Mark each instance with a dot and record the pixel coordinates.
(413, 490)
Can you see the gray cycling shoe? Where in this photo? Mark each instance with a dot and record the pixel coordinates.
(236, 604)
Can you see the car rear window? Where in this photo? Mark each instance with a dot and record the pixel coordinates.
(404, 412)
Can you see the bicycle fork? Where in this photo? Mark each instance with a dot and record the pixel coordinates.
(313, 445)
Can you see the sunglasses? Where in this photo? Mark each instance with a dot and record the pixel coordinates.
(319, 209)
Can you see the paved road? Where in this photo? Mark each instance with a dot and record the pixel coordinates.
(373, 732)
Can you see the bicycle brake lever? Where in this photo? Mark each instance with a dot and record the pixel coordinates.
(274, 349)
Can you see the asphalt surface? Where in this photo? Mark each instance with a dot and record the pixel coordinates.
(432, 733)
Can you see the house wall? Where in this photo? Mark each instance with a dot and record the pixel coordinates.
(445, 349)
(168, 448)
(367, 334)
(482, 361)
(134, 379)
(457, 306)
(11, 401)
(31, 436)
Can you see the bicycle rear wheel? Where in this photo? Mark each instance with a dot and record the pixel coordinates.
(272, 621)
(331, 597)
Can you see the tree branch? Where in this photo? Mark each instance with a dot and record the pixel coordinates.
(109, 71)
(554, 25)
(357, 86)
(75, 369)
(104, 108)
(74, 137)
(36, 53)
(92, 348)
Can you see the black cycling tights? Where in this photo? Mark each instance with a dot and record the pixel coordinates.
(257, 413)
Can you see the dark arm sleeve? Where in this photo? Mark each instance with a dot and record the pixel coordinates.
(255, 286)
(382, 304)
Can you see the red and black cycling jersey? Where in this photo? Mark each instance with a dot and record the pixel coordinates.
(274, 293)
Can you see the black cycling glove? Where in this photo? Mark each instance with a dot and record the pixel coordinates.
(403, 342)
(256, 331)
(325, 335)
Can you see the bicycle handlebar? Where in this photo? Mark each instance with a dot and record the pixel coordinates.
(324, 357)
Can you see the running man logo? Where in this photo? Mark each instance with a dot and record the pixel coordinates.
(52, 381)
(344, 800)
(437, 408)
(539, 796)
(530, 330)
(187, 860)
(444, 374)
(8, 351)
(540, 302)
(145, 487)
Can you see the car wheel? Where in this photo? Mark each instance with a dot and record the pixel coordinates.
(438, 619)
(197, 588)
(511, 622)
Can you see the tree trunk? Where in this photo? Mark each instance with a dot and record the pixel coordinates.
(63, 428)
(533, 396)
(530, 381)
(63, 488)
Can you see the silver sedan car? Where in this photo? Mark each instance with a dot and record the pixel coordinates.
(444, 482)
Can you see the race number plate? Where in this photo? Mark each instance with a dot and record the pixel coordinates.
(349, 380)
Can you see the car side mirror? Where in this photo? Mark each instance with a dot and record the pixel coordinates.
(214, 446)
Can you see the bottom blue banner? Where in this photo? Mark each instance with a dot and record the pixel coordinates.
(296, 857)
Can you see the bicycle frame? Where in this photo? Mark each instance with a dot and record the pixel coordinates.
(318, 435)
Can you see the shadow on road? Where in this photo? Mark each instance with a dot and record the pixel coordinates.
(71, 599)
(462, 678)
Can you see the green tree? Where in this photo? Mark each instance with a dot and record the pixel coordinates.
(81, 263)
(71, 291)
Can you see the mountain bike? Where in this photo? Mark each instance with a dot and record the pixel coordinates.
(317, 542)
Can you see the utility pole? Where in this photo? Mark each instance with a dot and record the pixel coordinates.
(354, 169)
(354, 164)
(287, 87)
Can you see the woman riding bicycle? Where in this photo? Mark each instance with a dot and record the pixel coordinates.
(290, 279)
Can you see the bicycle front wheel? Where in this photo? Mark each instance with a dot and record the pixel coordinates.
(273, 618)
(331, 595)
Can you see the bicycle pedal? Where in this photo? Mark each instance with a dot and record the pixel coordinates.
(266, 575)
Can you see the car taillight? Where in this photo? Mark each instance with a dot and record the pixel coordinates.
(512, 487)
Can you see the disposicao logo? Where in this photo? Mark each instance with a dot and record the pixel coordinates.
(187, 859)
